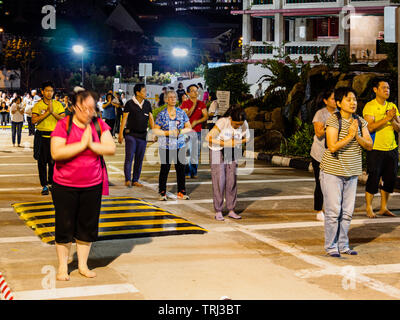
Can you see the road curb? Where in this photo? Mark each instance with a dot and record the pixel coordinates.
(296, 163)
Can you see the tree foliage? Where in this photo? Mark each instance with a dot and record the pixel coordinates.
(228, 78)
(22, 54)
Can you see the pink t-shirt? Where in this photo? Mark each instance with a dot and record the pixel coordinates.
(84, 170)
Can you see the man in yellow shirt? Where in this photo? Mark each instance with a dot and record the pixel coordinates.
(45, 114)
(382, 162)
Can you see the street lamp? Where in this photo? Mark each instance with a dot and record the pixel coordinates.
(180, 53)
(79, 49)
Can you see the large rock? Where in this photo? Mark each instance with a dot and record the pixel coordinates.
(274, 120)
(256, 125)
(259, 143)
(273, 140)
(260, 116)
(320, 69)
(360, 82)
(343, 83)
(294, 101)
(251, 113)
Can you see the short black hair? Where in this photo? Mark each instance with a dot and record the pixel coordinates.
(138, 87)
(376, 81)
(47, 84)
(192, 85)
(236, 113)
(342, 92)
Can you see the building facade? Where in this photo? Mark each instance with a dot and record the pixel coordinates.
(184, 6)
(308, 28)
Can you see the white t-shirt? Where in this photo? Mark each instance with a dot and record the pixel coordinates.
(18, 116)
(227, 132)
(213, 109)
(201, 94)
(318, 146)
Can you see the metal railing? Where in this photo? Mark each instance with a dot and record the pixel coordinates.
(262, 49)
(314, 49)
(307, 1)
(258, 2)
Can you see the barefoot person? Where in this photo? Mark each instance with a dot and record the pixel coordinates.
(382, 162)
(225, 140)
(78, 180)
(340, 167)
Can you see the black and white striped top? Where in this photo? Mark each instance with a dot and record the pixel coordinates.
(347, 161)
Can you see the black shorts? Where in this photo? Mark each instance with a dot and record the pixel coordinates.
(77, 212)
(382, 164)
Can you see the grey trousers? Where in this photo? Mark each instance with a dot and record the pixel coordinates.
(223, 176)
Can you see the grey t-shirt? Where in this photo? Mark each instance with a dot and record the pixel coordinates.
(318, 146)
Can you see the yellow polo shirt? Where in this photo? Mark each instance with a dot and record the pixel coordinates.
(384, 137)
(50, 122)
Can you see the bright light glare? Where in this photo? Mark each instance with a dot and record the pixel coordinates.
(78, 48)
(180, 52)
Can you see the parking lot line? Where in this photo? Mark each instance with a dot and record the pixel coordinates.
(74, 292)
(369, 269)
(320, 263)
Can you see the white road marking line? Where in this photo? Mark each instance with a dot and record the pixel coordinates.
(254, 199)
(240, 181)
(169, 194)
(291, 249)
(19, 239)
(19, 175)
(6, 210)
(75, 292)
(308, 224)
(18, 164)
(208, 170)
(370, 269)
(20, 189)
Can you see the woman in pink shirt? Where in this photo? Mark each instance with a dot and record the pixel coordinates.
(78, 180)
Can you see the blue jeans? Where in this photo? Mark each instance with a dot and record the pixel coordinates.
(134, 147)
(16, 129)
(339, 198)
(193, 154)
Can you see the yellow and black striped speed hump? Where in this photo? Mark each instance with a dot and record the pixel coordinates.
(120, 218)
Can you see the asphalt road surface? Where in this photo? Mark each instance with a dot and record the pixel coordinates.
(274, 252)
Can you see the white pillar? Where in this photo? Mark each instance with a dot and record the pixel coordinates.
(279, 30)
(344, 29)
(292, 30)
(266, 29)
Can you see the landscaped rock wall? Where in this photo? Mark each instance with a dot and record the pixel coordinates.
(303, 101)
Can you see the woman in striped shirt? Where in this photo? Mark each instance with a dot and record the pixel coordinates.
(341, 165)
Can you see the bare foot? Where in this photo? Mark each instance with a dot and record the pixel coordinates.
(370, 213)
(62, 276)
(87, 273)
(386, 213)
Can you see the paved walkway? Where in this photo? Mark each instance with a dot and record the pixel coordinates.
(274, 252)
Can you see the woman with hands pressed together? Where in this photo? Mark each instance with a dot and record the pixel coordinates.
(225, 141)
(170, 126)
(78, 180)
(341, 165)
(17, 119)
